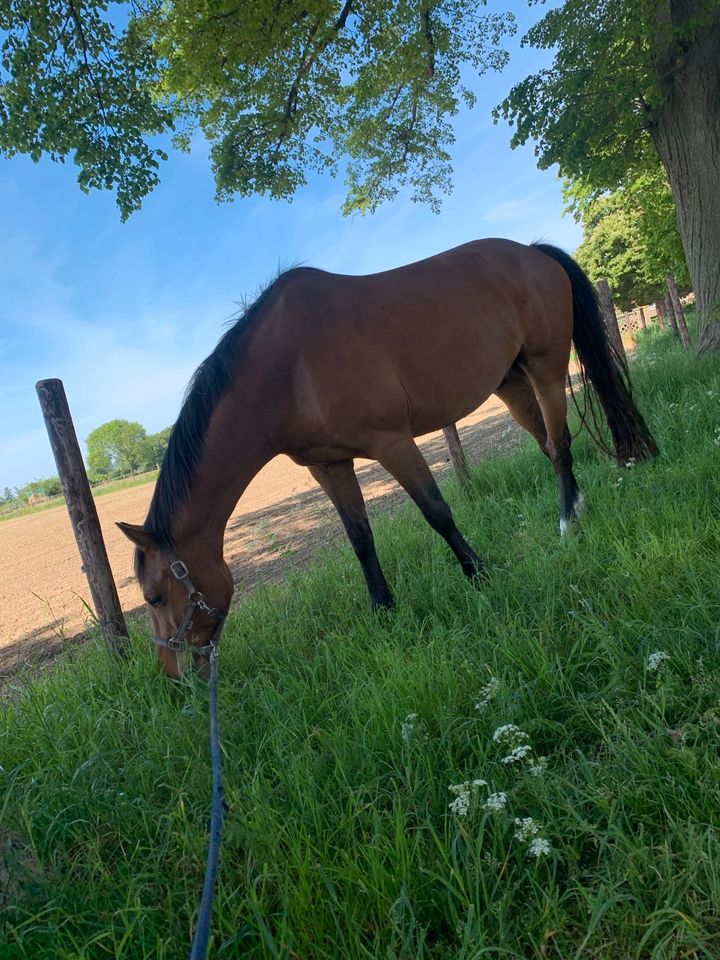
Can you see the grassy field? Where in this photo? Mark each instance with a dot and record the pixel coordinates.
(592, 830)
(110, 486)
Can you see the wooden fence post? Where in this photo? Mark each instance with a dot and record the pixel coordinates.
(660, 310)
(457, 454)
(610, 317)
(83, 513)
(678, 311)
(670, 314)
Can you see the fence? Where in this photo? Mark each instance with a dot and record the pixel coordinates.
(16, 506)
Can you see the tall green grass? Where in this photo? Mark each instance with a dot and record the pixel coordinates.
(343, 731)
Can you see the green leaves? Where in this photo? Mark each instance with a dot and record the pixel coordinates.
(72, 83)
(279, 90)
(120, 447)
(592, 110)
(631, 237)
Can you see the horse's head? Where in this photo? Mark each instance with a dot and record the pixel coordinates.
(188, 596)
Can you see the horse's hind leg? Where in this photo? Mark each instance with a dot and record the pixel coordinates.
(519, 397)
(400, 456)
(339, 482)
(549, 389)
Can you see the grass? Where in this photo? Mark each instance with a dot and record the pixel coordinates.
(339, 840)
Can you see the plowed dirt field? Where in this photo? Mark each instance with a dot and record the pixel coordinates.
(282, 521)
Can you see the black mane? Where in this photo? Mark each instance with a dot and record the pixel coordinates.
(208, 384)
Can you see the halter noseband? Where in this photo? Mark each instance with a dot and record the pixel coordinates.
(196, 601)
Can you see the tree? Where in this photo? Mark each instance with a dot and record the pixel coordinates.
(631, 80)
(155, 446)
(47, 487)
(278, 88)
(630, 238)
(115, 448)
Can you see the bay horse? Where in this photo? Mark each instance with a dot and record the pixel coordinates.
(326, 368)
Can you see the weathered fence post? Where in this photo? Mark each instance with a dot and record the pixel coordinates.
(83, 513)
(660, 310)
(457, 454)
(610, 317)
(670, 314)
(678, 311)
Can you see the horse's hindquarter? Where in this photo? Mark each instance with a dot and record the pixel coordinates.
(413, 348)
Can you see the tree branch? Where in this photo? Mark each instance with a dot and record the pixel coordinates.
(427, 31)
(307, 62)
(85, 51)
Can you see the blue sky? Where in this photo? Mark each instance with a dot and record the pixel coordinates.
(123, 313)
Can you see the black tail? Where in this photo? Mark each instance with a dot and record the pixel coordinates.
(600, 363)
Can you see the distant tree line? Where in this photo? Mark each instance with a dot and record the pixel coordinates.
(115, 449)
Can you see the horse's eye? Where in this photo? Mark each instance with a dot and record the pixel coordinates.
(155, 601)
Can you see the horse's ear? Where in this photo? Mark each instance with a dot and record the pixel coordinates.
(139, 536)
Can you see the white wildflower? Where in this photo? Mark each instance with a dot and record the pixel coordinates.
(509, 733)
(655, 659)
(630, 463)
(464, 792)
(496, 801)
(488, 693)
(470, 786)
(408, 727)
(526, 828)
(518, 754)
(460, 805)
(538, 848)
(537, 768)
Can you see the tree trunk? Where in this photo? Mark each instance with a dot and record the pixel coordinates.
(457, 454)
(610, 317)
(643, 319)
(678, 311)
(660, 310)
(686, 133)
(670, 312)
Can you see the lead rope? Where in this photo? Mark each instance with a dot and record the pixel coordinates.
(202, 929)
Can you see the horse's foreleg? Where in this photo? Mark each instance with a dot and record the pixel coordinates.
(339, 482)
(400, 456)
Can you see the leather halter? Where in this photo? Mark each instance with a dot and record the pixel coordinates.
(196, 601)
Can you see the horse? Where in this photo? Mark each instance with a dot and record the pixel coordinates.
(326, 368)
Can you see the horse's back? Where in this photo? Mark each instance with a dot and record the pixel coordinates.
(428, 342)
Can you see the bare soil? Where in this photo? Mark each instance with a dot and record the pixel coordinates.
(281, 523)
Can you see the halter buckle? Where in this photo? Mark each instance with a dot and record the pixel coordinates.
(179, 570)
(171, 644)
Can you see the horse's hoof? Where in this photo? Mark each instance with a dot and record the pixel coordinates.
(569, 526)
(383, 606)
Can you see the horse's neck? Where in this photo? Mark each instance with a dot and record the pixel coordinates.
(224, 472)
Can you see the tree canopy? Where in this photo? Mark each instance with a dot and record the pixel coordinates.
(633, 81)
(281, 89)
(631, 238)
(278, 88)
(121, 447)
